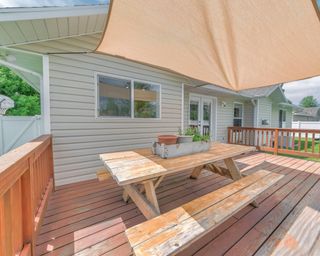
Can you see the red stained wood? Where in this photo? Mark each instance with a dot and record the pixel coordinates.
(92, 222)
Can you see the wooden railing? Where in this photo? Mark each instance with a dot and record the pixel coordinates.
(299, 142)
(26, 181)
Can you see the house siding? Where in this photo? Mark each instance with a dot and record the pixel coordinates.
(264, 112)
(224, 116)
(275, 116)
(78, 136)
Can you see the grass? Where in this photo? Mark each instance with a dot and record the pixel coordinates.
(309, 145)
(309, 149)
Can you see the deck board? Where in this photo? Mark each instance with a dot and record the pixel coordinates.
(89, 218)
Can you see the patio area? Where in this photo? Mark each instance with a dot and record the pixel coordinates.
(89, 218)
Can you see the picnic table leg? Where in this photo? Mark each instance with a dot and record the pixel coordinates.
(144, 205)
(125, 196)
(196, 172)
(236, 174)
(151, 194)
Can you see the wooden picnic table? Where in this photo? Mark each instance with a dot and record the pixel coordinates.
(140, 172)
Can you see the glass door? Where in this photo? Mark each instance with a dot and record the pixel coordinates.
(201, 114)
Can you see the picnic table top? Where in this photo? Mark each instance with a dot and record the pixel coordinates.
(138, 165)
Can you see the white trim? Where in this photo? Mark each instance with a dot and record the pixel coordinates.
(239, 103)
(45, 95)
(214, 100)
(132, 80)
(11, 65)
(8, 46)
(20, 50)
(258, 113)
(182, 107)
(16, 14)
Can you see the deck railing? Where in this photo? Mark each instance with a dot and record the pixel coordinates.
(26, 180)
(299, 142)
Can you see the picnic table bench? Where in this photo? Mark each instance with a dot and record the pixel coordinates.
(171, 232)
(140, 172)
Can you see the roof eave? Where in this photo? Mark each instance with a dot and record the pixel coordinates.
(7, 14)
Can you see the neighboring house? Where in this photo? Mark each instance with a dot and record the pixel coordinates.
(95, 103)
(307, 114)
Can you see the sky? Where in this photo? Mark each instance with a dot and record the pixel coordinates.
(295, 91)
(39, 3)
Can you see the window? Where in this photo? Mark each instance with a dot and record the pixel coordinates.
(146, 100)
(237, 114)
(122, 97)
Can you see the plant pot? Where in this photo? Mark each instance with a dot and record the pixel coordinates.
(167, 139)
(185, 139)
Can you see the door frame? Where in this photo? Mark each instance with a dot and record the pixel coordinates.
(214, 112)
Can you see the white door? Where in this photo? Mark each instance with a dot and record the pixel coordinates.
(201, 114)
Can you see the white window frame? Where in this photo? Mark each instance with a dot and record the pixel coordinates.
(214, 112)
(239, 103)
(132, 80)
(285, 121)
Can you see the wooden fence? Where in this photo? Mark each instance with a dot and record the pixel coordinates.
(299, 142)
(26, 181)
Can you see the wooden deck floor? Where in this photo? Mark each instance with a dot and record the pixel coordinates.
(89, 218)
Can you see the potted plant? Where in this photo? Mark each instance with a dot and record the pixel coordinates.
(167, 139)
(187, 136)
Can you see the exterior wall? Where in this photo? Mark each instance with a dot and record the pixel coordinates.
(275, 116)
(264, 112)
(78, 136)
(224, 113)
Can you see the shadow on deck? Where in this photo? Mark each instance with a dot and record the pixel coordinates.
(89, 218)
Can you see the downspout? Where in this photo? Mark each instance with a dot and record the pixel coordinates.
(182, 107)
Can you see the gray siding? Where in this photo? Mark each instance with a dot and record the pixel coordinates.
(275, 116)
(224, 114)
(264, 112)
(78, 136)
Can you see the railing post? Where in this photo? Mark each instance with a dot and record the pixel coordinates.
(229, 134)
(28, 204)
(276, 141)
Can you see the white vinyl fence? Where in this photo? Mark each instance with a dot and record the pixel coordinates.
(307, 125)
(17, 130)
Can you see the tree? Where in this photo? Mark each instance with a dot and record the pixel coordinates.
(26, 99)
(308, 102)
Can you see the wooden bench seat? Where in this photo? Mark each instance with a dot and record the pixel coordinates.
(170, 232)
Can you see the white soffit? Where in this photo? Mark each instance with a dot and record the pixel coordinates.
(27, 25)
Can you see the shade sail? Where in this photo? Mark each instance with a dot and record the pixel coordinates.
(237, 44)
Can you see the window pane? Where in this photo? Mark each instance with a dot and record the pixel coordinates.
(194, 110)
(237, 122)
(114, 96)
(146, 100)
(206, 111)
(237, 110)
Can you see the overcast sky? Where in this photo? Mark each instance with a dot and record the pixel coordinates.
(295, 91)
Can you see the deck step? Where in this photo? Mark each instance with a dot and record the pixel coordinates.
(171, 232)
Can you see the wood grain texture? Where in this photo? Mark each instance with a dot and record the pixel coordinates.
(77, 212)
(134, 166)
(24, 177)
(172, 231)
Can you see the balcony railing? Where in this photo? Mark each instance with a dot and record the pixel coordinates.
(299, 142)
(26, 180)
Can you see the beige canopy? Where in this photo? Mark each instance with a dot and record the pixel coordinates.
(237, 44)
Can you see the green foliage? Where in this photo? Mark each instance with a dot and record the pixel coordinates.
(26, 99)
(194, 132)
(308, 102)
